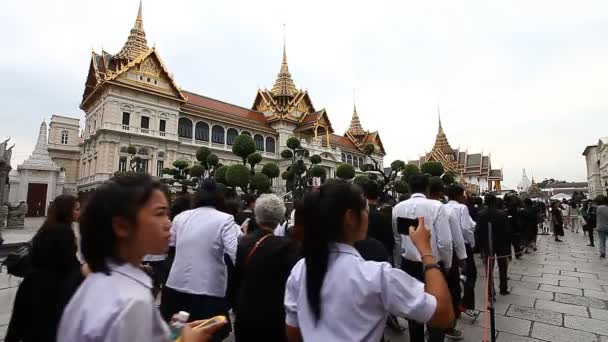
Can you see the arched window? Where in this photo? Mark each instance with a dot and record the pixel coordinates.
(349, 159)
(246, 133)
(64, 137)
(202, 131)
(355, 161)
(270, 145)
(231, 134)
(259, 142)
(361, 161)
(343, 156)
(184, 128)
(217, 134)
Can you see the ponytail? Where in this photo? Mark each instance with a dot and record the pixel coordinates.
(323, 223)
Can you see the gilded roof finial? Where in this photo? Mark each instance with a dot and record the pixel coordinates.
(284, 86)
(355, 127)
(441, 141)
(136, 43)
(439, 116)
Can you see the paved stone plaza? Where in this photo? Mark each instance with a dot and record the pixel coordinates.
(557, 294)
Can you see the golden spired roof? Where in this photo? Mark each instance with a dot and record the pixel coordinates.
(355, 127)
(136, 43)
(441, 141)
(284, 84)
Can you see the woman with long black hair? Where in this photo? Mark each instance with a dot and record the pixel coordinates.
(334, 295)
(45, 291)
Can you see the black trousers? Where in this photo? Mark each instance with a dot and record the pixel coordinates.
(453, 280)
(468, 297)
(590, 232)
(516, 242)
(502, 271)
(416, 329)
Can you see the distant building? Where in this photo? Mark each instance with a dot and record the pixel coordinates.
(472, 169)
(567, 188)
(64, 138)
(524, 183)
(602, 157)
(594, 179)
(38, 180)
(5, 168)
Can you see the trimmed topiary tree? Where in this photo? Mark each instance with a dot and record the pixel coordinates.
(318, 171)
(254, 159)
(260, 183)
(243, 146)
(432, 168)
(408, 171)
(345, 171)
(220, 174)
(238, 176)
(271, 170)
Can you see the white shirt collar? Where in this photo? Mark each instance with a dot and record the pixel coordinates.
(344, 248)
(418, 195)
(131, 272)
(453, 201)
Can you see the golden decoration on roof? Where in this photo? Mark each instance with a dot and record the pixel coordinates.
(136, 43)
(284, 86)
(355, 127)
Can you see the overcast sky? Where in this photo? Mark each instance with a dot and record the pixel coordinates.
(523, 80)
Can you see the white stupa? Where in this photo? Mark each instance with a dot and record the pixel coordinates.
(38, 180)
(524, 183)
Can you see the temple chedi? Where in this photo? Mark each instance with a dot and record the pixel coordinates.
(474, 170)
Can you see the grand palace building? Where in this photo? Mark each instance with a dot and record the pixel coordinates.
(131, 99)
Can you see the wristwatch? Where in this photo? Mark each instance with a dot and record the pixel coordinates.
(431, 266)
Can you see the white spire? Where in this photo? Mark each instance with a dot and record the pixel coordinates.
(40, 158)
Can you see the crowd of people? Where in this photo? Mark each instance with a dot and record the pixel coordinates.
(341, 265)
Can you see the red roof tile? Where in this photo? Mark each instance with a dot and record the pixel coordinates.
(310, 118)
(342, 142)
(206, 102)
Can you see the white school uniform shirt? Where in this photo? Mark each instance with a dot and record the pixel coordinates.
(356, 298)
(280, 230)
(435, 219)
(113, 308)
(466, 222)
(456, 231)
(201, 237)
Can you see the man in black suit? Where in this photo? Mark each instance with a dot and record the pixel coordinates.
(501, 246)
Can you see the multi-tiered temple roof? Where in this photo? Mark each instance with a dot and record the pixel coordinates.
(461, 163)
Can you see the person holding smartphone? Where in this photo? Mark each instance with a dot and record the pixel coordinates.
(334, 295)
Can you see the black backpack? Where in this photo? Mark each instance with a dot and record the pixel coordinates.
(18, 263)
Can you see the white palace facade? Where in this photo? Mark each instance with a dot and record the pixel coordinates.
(131, 99)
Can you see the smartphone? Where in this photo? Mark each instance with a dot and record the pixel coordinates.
(210, 321)
(404, 224)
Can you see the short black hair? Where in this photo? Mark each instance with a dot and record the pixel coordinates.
(208, 195)
(454, 190)
(419, 183)
(491, 200)
(180, 204)
(121, 196)
(371, 190)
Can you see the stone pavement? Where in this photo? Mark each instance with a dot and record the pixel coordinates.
(14, 236)
(558, 294)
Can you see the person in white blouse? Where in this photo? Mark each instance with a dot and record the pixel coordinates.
(437, 222)
(334, 295)
(125, 219)
(198, 278)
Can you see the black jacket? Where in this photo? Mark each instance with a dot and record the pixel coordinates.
(500, 231)
(380, 227)
(260, 285)
(45, 292)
